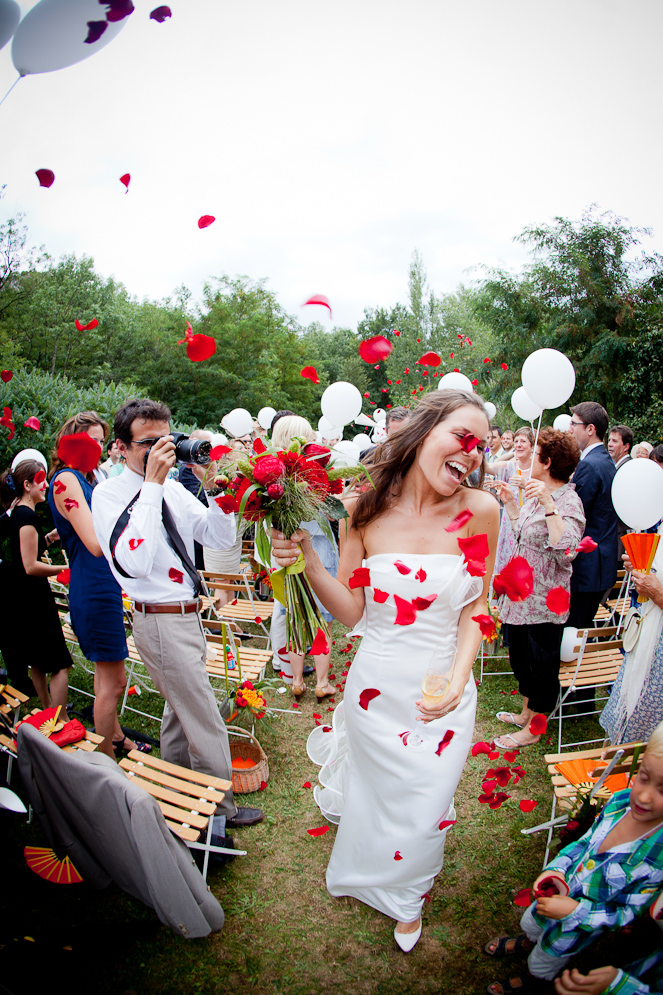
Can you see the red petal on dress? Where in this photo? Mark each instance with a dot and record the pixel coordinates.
(366, 696)
(397, 855)
(446, 823)
(380, 596)
(406, 613)
(444, 742)
(420, 575)
(402, 567)
(421, 604)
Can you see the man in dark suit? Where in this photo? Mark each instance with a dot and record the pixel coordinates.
(593, 573)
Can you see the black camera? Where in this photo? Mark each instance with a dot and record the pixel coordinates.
(191, 450)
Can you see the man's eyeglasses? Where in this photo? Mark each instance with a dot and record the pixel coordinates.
(578, 422)
(146, 443)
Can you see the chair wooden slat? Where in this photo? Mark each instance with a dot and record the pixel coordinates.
(173, 783)
(196, 776)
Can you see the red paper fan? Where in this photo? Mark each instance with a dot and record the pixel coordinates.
(44, 862)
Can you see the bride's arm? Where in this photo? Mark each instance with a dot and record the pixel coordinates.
(344, 604)
(486, 519)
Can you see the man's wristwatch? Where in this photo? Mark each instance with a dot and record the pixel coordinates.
(549, 514)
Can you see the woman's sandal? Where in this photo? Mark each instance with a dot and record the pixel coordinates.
(119, 746)
(509, 719)
(505, 987)
(326, 691)
(516, 744)
(298, 690)
(501, 948)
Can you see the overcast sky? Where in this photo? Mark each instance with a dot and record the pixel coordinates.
(332, 139)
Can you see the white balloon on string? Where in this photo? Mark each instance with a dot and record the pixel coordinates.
(52, 35)
(562, 422)
(10, 15)
(455, 381)
(524, 406)
(362, 442)
(341, 403)
(548, 378)
(637, 493)
(265, 416)
(491, 410)
(379, 414)
(238, 422)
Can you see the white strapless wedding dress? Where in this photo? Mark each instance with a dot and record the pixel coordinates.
(389, 800)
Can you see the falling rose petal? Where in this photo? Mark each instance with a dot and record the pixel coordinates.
(45, 177)
(524, 898)
(40, 476)
(515, 580)
(218, 451)
(406, 613)
(397, 855)
(486, 360)
(469, 441)
(402, 567)
(429, 359)
(446, 823)
(515, 691)
(504, 366)
(79, 451)
(474, 547)
(539, 725)
(95, 30)
(258, 620)
(527, 805)
(258, 447)
(475, 383)
(59, 487)
(32, 422)
(376, 349)
(480, 748)
(366, 696)
(320, 644)
(70, 504)
(310, 373)
(119, 9)
(306, 784)
(498, 799)
(6, 376)
(64, 576)
(319, 299)
(457, 523)
(444, 742)
(404, 736)
(176, 576)
(135, 543)
(558, 600)
(586, 545)
(320, 831)
(421, 604)
(380, 596)
(420, 575)
(160, 14)
(126, 179)
(489, 786)
(206, 220)
(487, 625)
(511, 755)
(227, 503)
(361, 577)
(86, 328)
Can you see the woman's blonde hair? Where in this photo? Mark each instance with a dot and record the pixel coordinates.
(655, 744)
(289, 427)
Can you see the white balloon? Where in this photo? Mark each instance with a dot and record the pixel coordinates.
(345, 454)
(548, 377)
(562, 422)
(637, 493)
(491, 410)
(325, 426)
(341, 403)
(362, 442)
(52, 35)
(379, 414)
(10, 15)
(219, 439)
(238, 422)
(455, 381)
(570, 644)
(524, 406)
(265, 416)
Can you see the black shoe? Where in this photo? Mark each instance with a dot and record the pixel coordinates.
(216, 859)
(308, 671)
(245, 817)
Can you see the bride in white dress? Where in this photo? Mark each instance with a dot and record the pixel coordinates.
(394, 804)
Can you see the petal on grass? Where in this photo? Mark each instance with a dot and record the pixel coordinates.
(527, 805)
(524, 898)
(320, 831)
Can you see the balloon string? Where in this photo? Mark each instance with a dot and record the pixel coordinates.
(536, 439)
(10, 89)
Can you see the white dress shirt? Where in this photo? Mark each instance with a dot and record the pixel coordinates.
(588, 449)
(143, 549)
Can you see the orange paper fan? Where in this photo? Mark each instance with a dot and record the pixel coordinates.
(44, 862)
(577, 772)
(641, 548)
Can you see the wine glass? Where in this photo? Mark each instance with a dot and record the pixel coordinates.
(434, 688)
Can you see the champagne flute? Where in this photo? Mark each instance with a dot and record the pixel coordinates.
(434, 688)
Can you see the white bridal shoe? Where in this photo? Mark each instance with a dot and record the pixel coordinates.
(407, 941)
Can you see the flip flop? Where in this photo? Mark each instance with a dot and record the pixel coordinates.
(516, 744)
(509, 719)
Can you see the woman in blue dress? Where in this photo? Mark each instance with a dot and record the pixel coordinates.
(95, 598)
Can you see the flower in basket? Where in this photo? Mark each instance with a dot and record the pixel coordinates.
(246, 696)
(281, 489)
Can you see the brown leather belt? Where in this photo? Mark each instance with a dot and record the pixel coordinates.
(180, 609)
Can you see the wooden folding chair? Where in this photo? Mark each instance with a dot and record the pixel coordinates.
(222, 648)
(597, 666)
(244, 607)
(187, 799)
(10, 706)
(616, 602)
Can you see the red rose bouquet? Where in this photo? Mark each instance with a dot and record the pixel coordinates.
(283, 488)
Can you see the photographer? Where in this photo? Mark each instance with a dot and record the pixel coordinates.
(146, 525)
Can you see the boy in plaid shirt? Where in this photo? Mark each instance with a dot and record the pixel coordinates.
(611, 874)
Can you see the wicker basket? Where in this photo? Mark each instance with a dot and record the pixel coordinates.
(248, 747)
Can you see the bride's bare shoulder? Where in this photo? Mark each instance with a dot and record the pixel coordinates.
(481, 502)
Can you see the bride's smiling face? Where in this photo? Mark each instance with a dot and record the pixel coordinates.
(441, 457)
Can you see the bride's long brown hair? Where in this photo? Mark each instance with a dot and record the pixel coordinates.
(393, 458)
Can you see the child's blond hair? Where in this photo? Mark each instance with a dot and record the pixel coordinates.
(655, 744)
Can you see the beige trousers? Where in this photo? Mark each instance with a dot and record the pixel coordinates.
(193, 734)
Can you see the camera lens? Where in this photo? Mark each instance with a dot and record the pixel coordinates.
(192, 450)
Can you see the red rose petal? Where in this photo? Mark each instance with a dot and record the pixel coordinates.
(176, 576)
(376, 349)
(227, 503)
(79, 451)
(306, 784)
(420, 575)
(218, 451)
(539, 725)
(316, 716)
(135, 543)
(206, 220)
(380, 596)
(527, 805)
(484, 799)
(558, 600)
(6, 376)
(587, 545)
(59, 487)
(498, 799)
(504, 366)
(45, 177)
(469, 441)
(511, 755)
(487, 625)
(524, 898)
(516, 580)
(320, 831)
(475, 383)
(95, 30)
(258, 447)
(404, 736)
(70, 503)
(86, 328)
(446, 823)
(310, 373)
(421, 604)
(429, 359)
(402, 567)
(320, 644)
(493, 755)
(40, 476)
(64, 576)
(406, 613)
(366, 696)
(319, 299)
(263, 785)
(457, 523)
(126, 179)
(489, 786)
(160, 14)
(119, 9)
(200, 347)
(397, 855)
(480, 748)
(32, 422)
(361, 577)
(444, 742)
(502, 776)
(474, 547)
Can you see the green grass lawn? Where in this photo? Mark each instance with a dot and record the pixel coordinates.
(283, 932)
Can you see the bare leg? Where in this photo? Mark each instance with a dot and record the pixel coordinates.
(408, 927)
(297, 665)
(110, 682)
(40, 681)
(58, 691)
